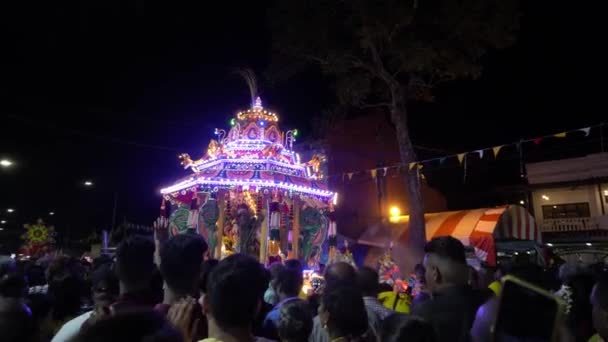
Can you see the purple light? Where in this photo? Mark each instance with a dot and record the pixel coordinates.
(255, 182)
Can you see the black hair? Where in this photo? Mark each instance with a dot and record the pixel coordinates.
(208, 266)
(289, 281)
(135, 260)
(347, 315)
(274, 270)
(294, 264)
(399, 327)
(129, 326)
(367, 279)
(295, 321)
(181, 259)
(235, 289)
(384, 287)
(447, 247)
(35, 275)
(338, 275)
(104, 283)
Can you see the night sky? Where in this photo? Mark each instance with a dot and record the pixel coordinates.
(112, 91)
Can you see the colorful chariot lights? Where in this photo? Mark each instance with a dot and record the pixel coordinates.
(182, 186)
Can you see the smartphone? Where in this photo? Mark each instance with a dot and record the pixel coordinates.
(527, 313)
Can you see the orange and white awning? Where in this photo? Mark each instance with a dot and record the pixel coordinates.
(477, 228)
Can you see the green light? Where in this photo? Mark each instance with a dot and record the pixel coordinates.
(295, 132)
(232, 122)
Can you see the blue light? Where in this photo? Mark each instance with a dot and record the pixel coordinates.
(261, 123)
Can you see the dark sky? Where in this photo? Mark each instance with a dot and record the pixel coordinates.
(112, 90)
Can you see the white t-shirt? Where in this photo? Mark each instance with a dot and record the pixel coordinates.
(71, 328)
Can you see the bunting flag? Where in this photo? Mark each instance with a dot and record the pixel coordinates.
(461, 157)
(586, 130)
(497, 149)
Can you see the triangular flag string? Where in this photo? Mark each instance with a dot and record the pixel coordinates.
(496, 150)
(462, 156)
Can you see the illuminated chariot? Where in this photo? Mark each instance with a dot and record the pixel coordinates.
(250, 193)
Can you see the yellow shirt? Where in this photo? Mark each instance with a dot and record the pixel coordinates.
(496, 287)
(596, 338)
(394, 301)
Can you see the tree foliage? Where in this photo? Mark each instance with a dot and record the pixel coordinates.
(370, 44)
(387, 52)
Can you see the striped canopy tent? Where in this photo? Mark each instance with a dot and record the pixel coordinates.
(480, 229)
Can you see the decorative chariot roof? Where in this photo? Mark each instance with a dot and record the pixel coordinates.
(254, 152)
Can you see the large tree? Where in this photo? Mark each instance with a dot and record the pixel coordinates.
(388, 52)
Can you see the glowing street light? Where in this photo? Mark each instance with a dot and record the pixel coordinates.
(88, 183)
(3, 222)
(395, 211)
(6, 163)
(51, 213)
(10, 210)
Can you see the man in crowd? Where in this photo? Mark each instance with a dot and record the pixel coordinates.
(454, 303)
(367, 279)
(288, 285)
(135, 268)
(336, 276)
(233, 299)
(105, 292)
(181, 261)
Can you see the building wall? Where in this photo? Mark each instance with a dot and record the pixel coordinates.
(565, 195)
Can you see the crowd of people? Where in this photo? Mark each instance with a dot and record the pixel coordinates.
(171, 292)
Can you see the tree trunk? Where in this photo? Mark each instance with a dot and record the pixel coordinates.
(417, 233)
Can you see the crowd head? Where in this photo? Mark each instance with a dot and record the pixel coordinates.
(445, 263)
(129, 326)
(135, 263)
(342, 313)
(367, 280)
(181, 260)
(289, 282)
(338, 275)
(295, 322)
(234, 293)
(399, 327)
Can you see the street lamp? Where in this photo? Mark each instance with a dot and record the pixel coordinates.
(10, 210)
(395, 211)
(88, 183)
(3, 222)
(6, 163)
(51, 213)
